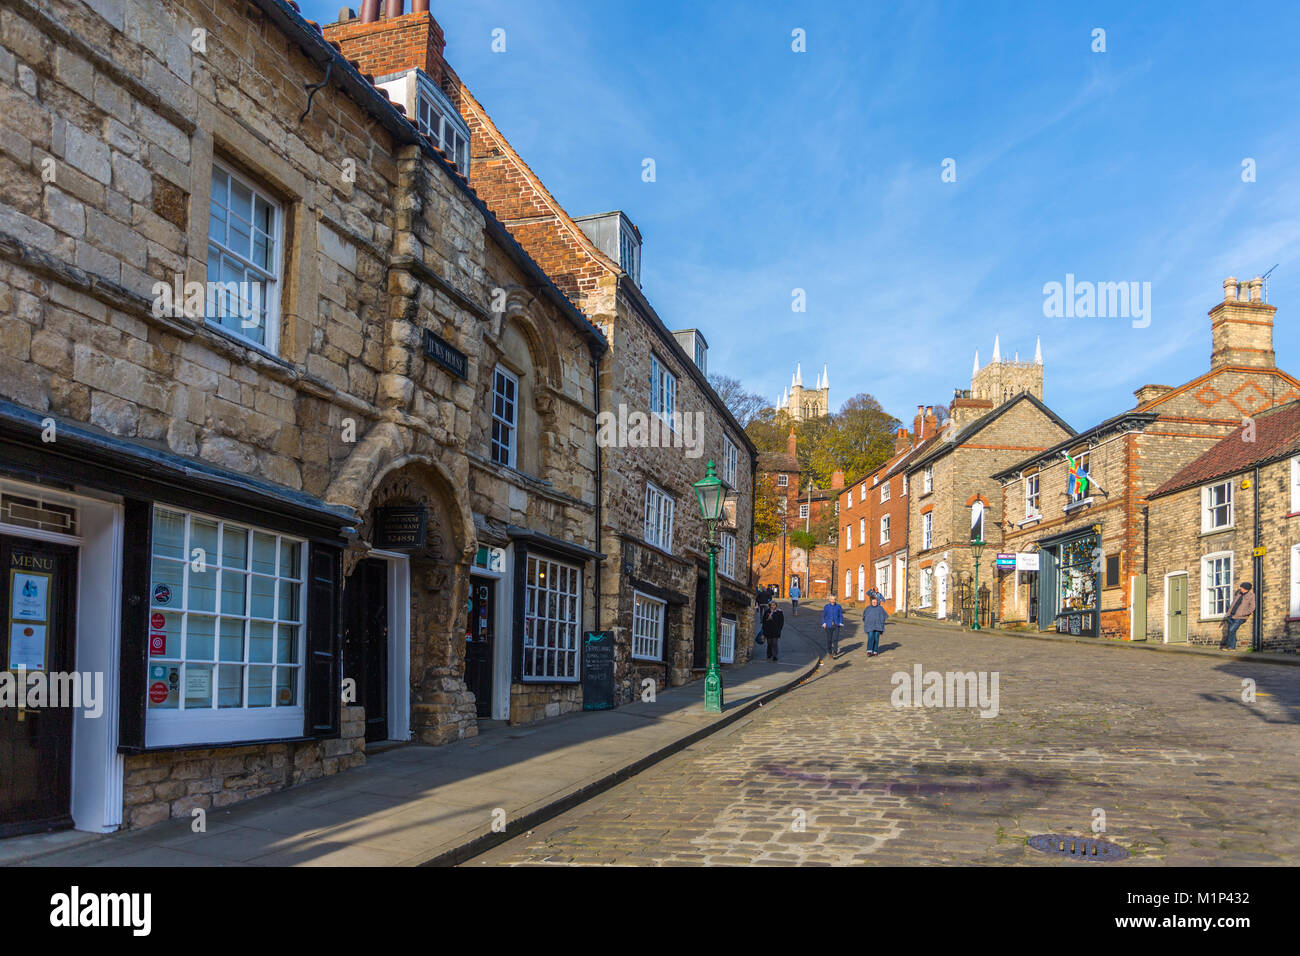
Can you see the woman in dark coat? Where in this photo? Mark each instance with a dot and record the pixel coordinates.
(772, 630)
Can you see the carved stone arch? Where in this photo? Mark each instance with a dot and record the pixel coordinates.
(523, 309)
(419, 479)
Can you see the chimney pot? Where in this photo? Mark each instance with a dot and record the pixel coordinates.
(1256, 289)
(1229, 288)
(346, 14)
(369, 11)
(393, 8)
(419, 6)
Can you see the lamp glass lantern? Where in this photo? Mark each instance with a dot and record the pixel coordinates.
(711, 492)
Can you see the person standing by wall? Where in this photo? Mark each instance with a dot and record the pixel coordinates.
(1242, 607)
(772, 630)
(832, 621)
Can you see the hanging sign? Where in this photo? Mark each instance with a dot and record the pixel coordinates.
(400, 528)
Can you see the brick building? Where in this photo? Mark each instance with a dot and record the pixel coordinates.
(873, 513)
(949, 483)
(283, 408)
(1230, 516)
(803, 507)
(652, 577)
(1090, 540)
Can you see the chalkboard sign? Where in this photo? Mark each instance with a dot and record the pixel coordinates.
(400, 529)
(598, 670)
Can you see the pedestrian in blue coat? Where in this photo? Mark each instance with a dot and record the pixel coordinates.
(874, 619)
(832, 621)
(795, 595)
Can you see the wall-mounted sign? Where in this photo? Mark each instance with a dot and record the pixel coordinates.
(400, 528)
(445, 354)
(1006, 559)
(1027, 561)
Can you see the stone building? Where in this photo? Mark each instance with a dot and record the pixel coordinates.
(1001, 381)
(1226, 517)
(284, 410)
(805, 404)
(661, 420)
(873, 512)
(1090, 539)
(949, 487)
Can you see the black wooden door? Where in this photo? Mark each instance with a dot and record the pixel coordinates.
(38, 594)
(365, 642)
(478, 644)
(701, 659)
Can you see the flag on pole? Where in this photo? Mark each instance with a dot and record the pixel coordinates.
(1078, 483)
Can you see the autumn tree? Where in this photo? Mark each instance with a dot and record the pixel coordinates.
(742, 403)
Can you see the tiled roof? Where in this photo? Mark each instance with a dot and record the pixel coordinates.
(1276, 434)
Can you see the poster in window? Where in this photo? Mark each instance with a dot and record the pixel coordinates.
(26, 646)
(31, 593)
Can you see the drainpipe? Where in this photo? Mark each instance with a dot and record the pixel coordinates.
(595, 364)
(1257, 630)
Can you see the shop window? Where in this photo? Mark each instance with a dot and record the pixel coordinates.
(1216, 507)
(1216, 584)
(552, 620)
(1077, 574)
(726, 640)
(647, 627)
(244, 236)
(226, 631)
(505, 411)
(658, 518)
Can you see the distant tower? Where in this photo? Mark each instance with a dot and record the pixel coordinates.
(1000, 381)
(804, 404)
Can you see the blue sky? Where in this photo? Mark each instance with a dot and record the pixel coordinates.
(821, 170)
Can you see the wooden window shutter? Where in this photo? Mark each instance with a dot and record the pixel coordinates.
(324, 640)
(133, 658)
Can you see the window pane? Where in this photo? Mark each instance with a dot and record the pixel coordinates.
(232, 639)
(198, 685)
(168, 534)
(259, 686)
(168, 583)
(286, 686)
(200, 633)
(261, 641)
(234, 548)
(233, 589)
(288, 601)
(263, 604)
(290, 563)
(286, 651)
(263, 553)
(230, 687)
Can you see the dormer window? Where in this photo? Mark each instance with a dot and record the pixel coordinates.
(629, 255)
(436, 116)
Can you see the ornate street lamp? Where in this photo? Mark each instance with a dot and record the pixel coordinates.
(977, 549)
(711, 492)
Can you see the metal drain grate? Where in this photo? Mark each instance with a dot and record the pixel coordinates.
(1077, 847)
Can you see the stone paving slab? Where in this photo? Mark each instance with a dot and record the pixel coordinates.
(413, 805)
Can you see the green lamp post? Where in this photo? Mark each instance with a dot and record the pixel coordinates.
(711, 492)
(977, 549)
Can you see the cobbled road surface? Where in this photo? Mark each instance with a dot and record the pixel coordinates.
(1184, 770)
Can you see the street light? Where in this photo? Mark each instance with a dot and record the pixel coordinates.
(977, 549)
(711, 491)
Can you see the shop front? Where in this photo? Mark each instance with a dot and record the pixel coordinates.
(176, 606)
(1069, 583)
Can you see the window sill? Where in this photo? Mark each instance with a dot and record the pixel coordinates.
(1214, 531)
(1078, 505)
(1036, 518)
(239, 340)
(648, 660)
(1212, 620)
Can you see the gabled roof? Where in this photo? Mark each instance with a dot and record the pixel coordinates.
(941, 447)
(1276, 436)
(1206, 376)
(1114, 423)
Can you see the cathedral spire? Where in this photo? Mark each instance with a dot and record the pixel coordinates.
(997, 351)
(826, 377)
(1038, 351)
(798, 375)
(976, 370)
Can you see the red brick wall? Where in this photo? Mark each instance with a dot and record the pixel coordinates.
(395, 45)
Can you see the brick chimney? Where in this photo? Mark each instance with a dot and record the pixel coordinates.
(837, 481)
(965, 409)
(792, 445)
(1241, 326)
(393, 43)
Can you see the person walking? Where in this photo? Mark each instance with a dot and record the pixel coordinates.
(832, 621)
(762, 598)
(1242, 607)
(874, 619)
(772, 630)
(795, 594)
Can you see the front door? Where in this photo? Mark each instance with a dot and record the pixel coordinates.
(1033, 597)
(700, 660)
(365, 642)
(37, 592)
(1176, 603)
(941, 584)
(478, 644)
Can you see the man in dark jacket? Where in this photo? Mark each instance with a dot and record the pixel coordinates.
(832, 621)
(772, 630)
(1242, 607)
(873, 622)
(762, 599)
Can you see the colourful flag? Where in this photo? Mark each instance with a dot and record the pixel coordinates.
(1078, 478)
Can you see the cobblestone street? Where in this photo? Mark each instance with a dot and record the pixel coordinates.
(1184, 770)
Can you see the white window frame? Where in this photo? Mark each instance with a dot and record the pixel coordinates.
(927, 480)
(663, 392)
(862, 582)
(885, 576)
(1295, 580)
(559, 632)
(1210, 509)
(927, 531)
(629, 252)
(803, 509)
(659, 507)
(648, 612)
(1209, 598)
(884, 529)
(730, 459)
(1033, 498)
(884, 491)
(436, 115)
(903, 491)
(726, 640)
(1295, 484)
(848, 584)
(213, 723)
(862, 531)
(268, 276)
(502, 375)
(848, 537)
(927, 587)
(727, 554)
(783, 481)
(862, 493)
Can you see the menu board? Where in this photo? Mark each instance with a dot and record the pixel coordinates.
(598, 670)
(29, 619)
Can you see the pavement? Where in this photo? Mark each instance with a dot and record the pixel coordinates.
(1179, 758)
(416, 805)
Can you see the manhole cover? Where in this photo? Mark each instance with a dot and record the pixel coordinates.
(1077, 847)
